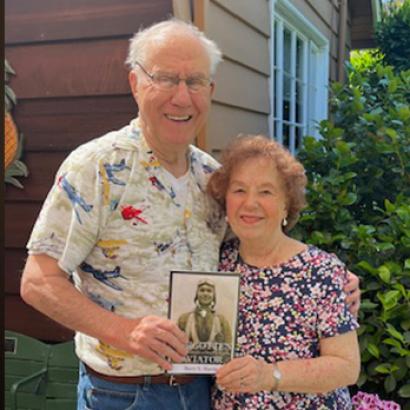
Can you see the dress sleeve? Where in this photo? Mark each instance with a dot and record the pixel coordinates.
(334, 317)
(68, 225)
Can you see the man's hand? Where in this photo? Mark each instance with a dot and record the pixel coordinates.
(352, 291)
(158, 339)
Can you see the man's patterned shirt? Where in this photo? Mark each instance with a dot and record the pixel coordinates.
(114, 222)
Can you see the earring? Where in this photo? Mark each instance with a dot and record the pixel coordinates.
(284, 222)
(226, 219)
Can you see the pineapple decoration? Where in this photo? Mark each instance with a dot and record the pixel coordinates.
(13, 142)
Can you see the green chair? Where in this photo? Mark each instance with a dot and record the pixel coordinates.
(39, 375)
(62, 377)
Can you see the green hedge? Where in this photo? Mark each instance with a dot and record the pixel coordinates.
(359, 208)
(392, 35)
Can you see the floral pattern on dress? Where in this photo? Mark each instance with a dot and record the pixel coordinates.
(284, 311)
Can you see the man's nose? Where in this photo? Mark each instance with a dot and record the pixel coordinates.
(182, 96)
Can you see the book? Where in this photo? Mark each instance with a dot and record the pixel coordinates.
(205, 307)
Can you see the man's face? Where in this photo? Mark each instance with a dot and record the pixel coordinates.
(171, 119)
(205, 295)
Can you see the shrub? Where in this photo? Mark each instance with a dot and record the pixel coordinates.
(393, 35)
(359, 208)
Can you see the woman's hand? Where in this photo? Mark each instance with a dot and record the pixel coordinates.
(352, 291)
(245, 375)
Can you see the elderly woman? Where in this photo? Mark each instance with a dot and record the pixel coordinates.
(297, 346)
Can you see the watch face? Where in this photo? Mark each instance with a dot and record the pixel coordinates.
(277, 374)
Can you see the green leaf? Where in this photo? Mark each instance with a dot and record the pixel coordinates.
(392, 342)
(13, 181)
(389, 299)
(384, 274)
(367, 267)
(389, 206)
(367, 305)
(393, 332)
(349, 199)
(318, 237)
(404, 391)
(390, 383)
(384, 368)
(8, 68)
(362, 379)
(385, 246)
(392, 134)
(373, 350)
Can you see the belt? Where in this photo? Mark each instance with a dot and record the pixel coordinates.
(169, 379)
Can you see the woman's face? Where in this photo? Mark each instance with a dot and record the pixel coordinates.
(255, 201)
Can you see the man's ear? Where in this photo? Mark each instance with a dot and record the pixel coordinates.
(133, 81)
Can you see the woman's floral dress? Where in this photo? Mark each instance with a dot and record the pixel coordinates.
(284, 311)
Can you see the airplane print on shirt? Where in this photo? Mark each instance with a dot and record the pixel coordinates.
(74, 197)
(104, 276)
(106, 171)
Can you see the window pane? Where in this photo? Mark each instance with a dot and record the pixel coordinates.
(286, 50)
(300, 89)
(285, 135)
(299, 138)
(300, 71)
(299, 59)
(286, 98)
(277, 100)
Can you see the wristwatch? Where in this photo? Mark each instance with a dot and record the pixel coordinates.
(277, 376)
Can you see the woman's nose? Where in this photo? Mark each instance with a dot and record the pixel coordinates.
(250, 200)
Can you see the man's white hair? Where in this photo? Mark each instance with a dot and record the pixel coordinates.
(140, 42)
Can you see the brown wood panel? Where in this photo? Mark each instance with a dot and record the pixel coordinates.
(42, 167)
(19, 218)
(62, 124)
(47, 20)
(69, 69)
(22, 318)
(14, 260)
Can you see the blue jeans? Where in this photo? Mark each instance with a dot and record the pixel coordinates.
(98, 394)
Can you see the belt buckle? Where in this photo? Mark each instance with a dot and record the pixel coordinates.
(172, 381)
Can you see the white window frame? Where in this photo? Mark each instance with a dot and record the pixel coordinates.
(315, 78)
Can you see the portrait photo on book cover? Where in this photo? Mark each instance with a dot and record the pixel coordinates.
(205, 307)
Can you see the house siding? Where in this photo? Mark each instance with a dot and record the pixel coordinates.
(241, 100)
(324, 15)
(243, 31)
(71, 85)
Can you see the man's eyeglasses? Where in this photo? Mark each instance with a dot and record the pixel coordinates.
(168, 82)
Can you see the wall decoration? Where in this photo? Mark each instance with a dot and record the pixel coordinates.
(13, 140)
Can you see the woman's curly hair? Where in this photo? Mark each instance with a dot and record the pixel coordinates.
(291, 171)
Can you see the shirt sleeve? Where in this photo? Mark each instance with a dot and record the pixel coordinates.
(334, 317)
(68, 224)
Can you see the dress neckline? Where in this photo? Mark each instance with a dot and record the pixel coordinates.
(299, 255)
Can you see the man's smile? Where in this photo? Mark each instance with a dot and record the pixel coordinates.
(178, 118)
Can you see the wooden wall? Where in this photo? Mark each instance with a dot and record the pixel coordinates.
(241, 103)
(71, 86)
(362, 23)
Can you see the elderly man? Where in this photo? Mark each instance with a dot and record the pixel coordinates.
(125, 209)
